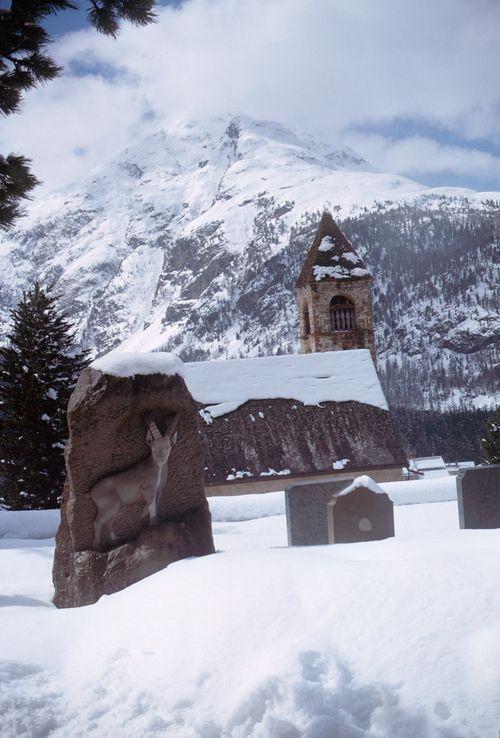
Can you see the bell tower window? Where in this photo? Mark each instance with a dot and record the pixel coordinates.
(342, 314)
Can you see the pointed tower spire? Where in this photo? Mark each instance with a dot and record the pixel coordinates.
(331, 256)
(334, 294)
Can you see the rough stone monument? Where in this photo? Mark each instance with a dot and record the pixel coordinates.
(306, 519)
(478, 495)
(133, 501)
(361, 512)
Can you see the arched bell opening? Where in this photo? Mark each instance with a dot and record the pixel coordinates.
(342, 314)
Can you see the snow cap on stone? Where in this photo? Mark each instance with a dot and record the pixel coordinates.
(331, 256)
(362, 482)
(132, 364)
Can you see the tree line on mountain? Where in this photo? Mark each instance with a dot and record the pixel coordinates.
(431, 264)
(439, 379)
(434, 269)
(457, 435)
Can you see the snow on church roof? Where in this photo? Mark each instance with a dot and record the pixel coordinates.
(338, 376)
(292, 416)
(223, 385)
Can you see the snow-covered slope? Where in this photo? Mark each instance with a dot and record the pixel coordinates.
(191, 240)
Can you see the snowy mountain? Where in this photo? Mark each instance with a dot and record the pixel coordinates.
(192, 239)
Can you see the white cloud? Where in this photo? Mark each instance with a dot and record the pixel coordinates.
(417, 155)
(328, 65)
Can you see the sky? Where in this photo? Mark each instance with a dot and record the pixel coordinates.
(411, 85)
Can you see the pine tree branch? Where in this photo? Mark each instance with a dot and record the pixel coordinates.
(16, 183)
(24, 64)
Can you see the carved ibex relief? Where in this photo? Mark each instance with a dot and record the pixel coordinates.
(142, 481)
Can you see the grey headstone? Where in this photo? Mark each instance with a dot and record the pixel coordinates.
(360, 515)
(478, 495)
(306, 519)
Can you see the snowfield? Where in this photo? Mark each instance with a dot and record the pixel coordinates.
(391, 639)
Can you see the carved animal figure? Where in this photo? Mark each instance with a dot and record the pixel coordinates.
(142, 481)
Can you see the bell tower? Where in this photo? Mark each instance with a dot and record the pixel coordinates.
(334, 294)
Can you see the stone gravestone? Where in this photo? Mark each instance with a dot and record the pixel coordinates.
(360, 513)
(306, 519)
(478, 495)
(134, 499)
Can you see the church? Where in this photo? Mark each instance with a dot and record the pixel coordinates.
(272, 421)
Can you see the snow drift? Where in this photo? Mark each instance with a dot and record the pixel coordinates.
(392, 638)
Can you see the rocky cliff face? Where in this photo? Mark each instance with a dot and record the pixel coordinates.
(192, 241)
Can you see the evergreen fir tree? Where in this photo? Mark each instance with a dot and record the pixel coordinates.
(491, 444)
(38, 371)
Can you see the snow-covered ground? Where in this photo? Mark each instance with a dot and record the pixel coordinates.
(391, 639)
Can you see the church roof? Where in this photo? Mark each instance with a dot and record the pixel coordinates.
(331, 256)
(292, 416)
(282, 439)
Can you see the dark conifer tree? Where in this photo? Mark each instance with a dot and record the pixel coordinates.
(38, 371)
(491, 444)
(16, 182)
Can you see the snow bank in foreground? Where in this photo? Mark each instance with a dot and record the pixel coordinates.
(338, 376)
(33, 524)
(128, 365)
(391, 639)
